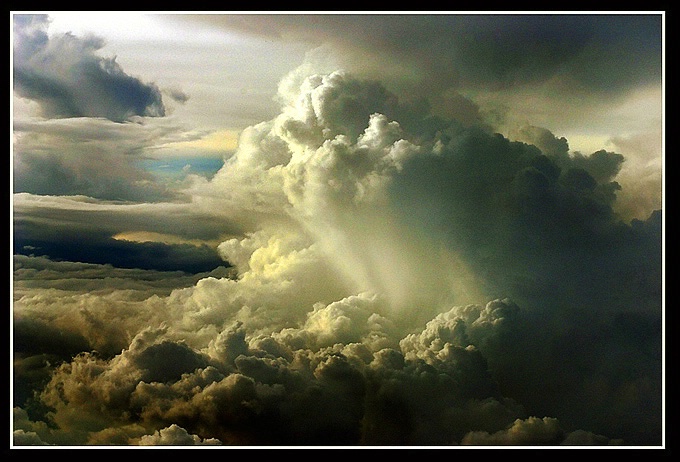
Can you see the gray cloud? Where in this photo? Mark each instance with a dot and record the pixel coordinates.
(179, 96)
(81, 229)
(63, 175)
(96, 157)
(64, 75)
(489, 50)
(31, 273)
(93, 157)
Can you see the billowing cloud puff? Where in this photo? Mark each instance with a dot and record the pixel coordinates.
(399, 285)
(535, 431)
(23, 438)
(174, 436)
(236, 387)
(65, 76)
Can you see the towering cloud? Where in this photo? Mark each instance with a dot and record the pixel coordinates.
(405, 280)
(506, 70)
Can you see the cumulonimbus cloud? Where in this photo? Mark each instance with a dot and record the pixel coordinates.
(421, 287)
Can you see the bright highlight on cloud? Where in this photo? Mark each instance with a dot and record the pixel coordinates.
(386, 277)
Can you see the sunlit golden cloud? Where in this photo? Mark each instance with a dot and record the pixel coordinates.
(219, 142)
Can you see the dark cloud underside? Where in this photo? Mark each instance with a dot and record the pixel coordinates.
(66, 78)
(123, 254)
(601, 53)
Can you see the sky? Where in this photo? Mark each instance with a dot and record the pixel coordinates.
(388, 229)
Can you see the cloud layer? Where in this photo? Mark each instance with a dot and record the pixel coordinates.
(421, 281)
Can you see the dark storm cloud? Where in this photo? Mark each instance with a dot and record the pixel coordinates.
(84, 230)
(541, 229)
(537, 226)
(508, 203)
(602, 53)
(347, 306)
(66, 77)
(123, 254)
(76, 246)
